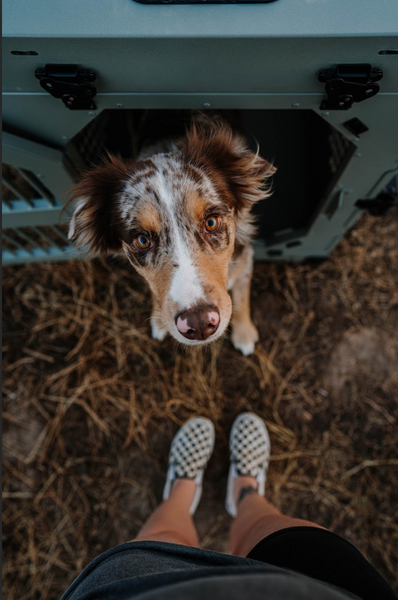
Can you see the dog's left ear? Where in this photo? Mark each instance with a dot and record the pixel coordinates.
(239, 174)
(95, 223)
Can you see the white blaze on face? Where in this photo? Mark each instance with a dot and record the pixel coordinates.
(186, 289)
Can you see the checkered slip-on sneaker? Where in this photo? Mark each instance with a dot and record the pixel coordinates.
(250, 449)
(190, 451)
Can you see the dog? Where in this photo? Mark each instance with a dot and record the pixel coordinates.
(181, 215)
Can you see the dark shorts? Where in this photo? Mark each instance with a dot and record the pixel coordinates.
(153, 569)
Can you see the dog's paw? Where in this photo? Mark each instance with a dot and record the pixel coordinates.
(244, 337)
(158, 332)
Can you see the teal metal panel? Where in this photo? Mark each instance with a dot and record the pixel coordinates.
(127, 19)
(242, 64)
(201, 56)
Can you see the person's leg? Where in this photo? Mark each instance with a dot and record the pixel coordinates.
(190, 451)
(256, 518)
(171, 521)
(315, 551)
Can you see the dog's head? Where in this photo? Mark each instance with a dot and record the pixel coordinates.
(177, 218)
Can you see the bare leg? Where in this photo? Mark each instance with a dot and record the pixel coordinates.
(256, 519)
(244, 333)
(171, 521)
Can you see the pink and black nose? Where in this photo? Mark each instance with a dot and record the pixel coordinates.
(198, 323)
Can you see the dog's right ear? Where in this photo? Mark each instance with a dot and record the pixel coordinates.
(240, 175)
(95, 223)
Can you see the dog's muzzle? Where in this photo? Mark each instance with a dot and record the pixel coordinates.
(198, 323)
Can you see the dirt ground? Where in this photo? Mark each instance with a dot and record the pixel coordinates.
(91, 403)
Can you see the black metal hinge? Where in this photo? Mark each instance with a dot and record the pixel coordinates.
(70, 83)
(346, 84)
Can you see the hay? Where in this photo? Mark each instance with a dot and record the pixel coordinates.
(91, 404)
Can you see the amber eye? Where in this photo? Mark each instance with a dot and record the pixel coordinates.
(143, 242)
(212, 224)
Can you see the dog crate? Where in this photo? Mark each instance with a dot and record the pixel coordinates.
(315, 84)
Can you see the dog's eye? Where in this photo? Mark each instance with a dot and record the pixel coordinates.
(212, 224)
(143, 242)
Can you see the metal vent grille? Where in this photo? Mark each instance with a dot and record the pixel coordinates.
(91, 143)
(37, 243)
(340, 149)
(22, 189)
(111, 131)
(31, 214)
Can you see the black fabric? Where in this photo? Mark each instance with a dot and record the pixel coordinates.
(273, 586)
(136, 569)
(326, 556)
(147, 565)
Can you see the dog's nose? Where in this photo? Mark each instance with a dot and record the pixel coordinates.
(198, 323)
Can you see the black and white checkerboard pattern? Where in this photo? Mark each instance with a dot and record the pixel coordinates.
(191, 448)
(249, 447)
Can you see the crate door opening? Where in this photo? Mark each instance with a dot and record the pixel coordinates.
(310, 156)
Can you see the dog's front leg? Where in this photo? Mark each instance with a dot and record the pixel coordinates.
(157, 328)
(244, 333)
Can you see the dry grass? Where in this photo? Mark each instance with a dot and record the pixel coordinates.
(91, 404)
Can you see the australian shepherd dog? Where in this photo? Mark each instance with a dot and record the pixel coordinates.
(180, 214)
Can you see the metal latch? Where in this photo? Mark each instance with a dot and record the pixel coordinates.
(70, 83)
(346, 84)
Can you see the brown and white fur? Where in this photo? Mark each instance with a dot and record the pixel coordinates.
(158, 211)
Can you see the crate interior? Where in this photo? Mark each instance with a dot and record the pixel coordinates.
(309, 154)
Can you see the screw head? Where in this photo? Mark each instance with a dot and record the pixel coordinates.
(325, 114)
(295, 104)
(119, 105)
(206, 105)
(65, 138)
(358, 154)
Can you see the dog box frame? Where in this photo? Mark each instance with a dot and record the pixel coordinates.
(264, 60)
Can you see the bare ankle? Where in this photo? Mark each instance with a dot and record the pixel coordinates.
(184, 488)
(244, 486)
